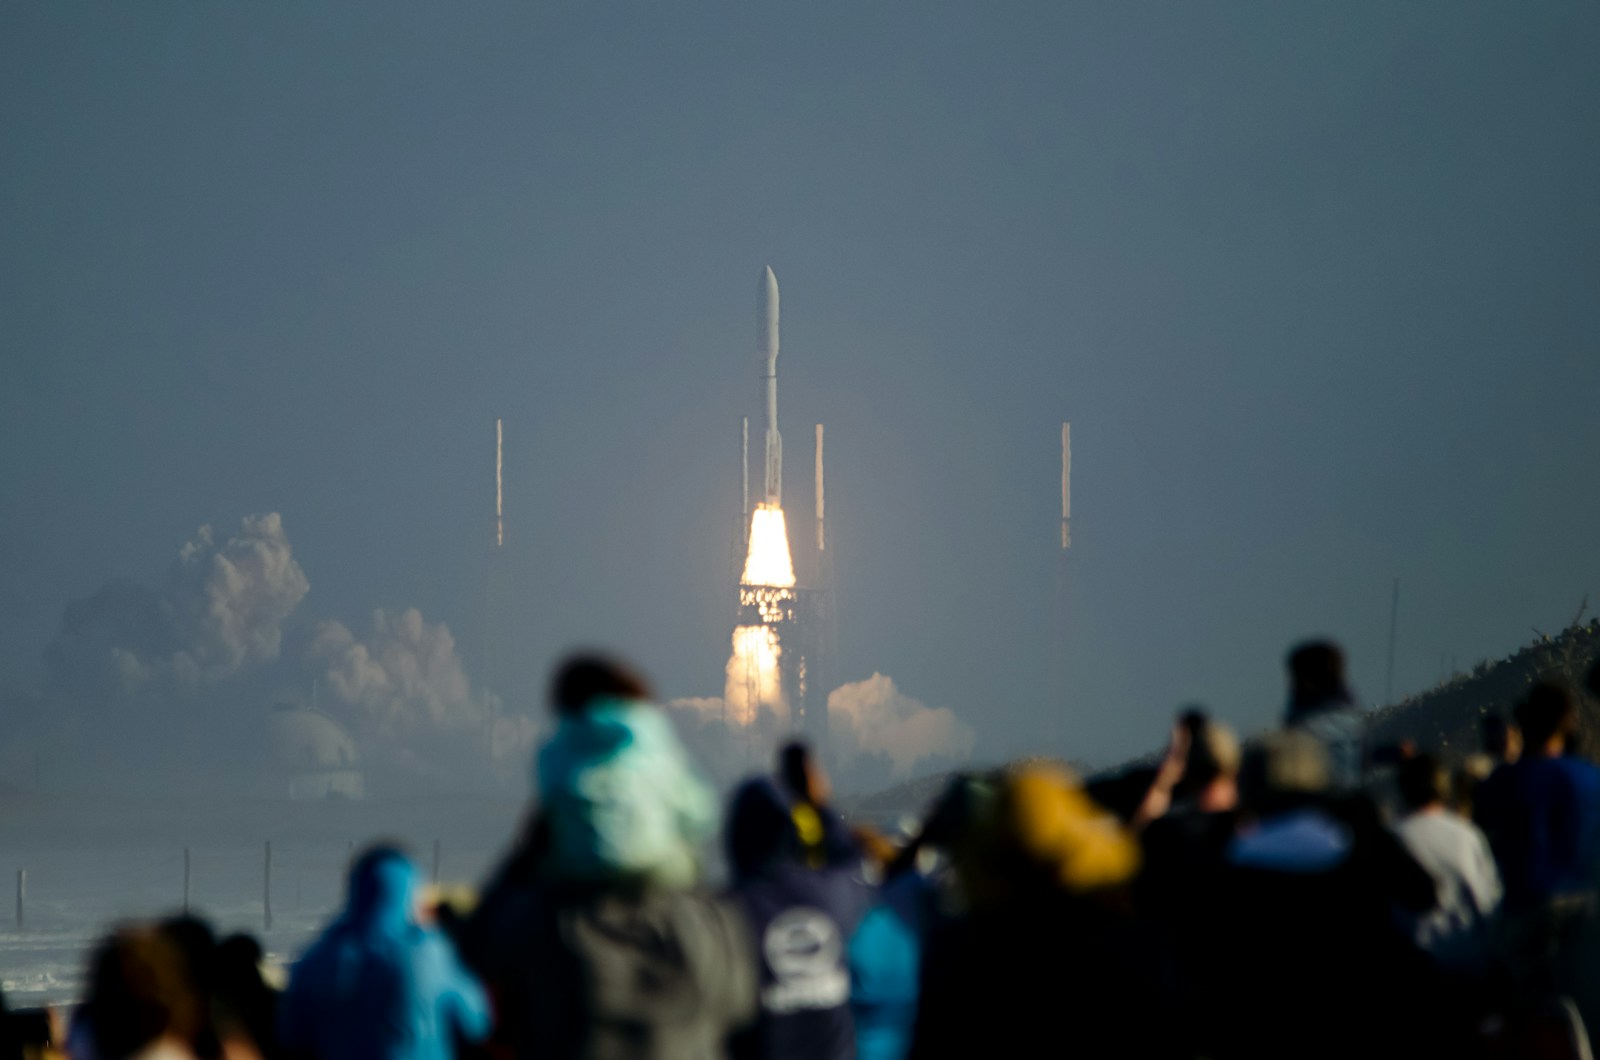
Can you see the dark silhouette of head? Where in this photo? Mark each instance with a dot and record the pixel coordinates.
(1213, 752)
(1423, 782)
(1316, 677)
(1548, 718)
(140, 992)
(802, 775)
(1501, 740)
(382, 888)
(1283, 771)
(587, 676)
(794, 764)
(245, 1005)
(760, 829)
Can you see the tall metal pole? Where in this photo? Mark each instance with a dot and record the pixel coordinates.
(1063, 604)
(1394, 625)
(1066, 486)
(822, 533)
(266, 889)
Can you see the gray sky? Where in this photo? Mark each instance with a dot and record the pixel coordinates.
(1315, 283)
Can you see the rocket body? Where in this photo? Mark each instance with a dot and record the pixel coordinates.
(767, 348)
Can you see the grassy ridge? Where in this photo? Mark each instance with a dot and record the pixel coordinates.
(1446, 719)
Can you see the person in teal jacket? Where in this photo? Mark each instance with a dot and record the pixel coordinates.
(378, 985)
(617, 786)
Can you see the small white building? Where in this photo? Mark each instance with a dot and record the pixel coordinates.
(313, 758)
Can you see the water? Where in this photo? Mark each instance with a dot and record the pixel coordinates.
(89, 868)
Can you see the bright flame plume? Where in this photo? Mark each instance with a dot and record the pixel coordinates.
(752, 681)
(767, 562)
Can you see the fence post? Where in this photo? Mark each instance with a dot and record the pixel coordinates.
(185, 881)
(266, 889)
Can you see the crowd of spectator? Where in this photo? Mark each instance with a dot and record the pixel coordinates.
(1303, 895)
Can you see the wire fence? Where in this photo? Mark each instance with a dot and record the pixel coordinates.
(64, 900)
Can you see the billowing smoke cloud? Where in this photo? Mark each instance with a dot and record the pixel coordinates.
(874, 718)
(405, 679)
(405, 684)
(876, 734)
(230, 601)
(221, 613)
(194, 668)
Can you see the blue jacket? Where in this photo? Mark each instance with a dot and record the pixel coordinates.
(885, 965)
(803, 916)
(1542, 817)
(377, 985)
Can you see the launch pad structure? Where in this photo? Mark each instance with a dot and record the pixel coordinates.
(799, 618)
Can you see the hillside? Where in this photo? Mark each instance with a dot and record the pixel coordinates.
(1446, 718)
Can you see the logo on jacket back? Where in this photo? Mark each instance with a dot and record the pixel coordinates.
(804, 951)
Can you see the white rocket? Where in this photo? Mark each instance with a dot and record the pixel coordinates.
(767, 346)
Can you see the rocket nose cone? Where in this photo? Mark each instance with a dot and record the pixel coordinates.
(767, 313)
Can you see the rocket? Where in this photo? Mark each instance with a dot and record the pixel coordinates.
(767, 347)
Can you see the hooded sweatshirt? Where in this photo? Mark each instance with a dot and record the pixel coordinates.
(803, 913)
(590, 935)
(622, 798)
(377, 985)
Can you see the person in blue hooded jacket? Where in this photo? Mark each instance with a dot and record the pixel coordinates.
(378, 985)
(796, 871)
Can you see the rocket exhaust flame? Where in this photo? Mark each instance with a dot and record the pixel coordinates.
(768, 561)
(753, 678)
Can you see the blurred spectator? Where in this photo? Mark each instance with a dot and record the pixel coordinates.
(885, 955)
(1184, 852)
(1302, 924)
(244, 1007)
(1457, 930)
(1502, 739)
(585, 678)
(797, 875)
(587, 934)
(10, 1033)
(1464, 781)
(1047, 950)
(1541, 812)
(141, 1003)
(1321, 705)
(197, 945)
(1541, 815)
(616, 784)
(378, 985)
(878, 852)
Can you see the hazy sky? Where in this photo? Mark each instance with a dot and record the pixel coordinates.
(1318, 286)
